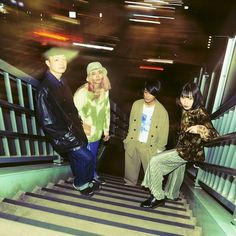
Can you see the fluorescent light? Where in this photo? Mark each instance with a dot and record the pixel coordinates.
(141, 7)
(72, 14)
(139, 3)
(146, 21)
(51, 35)
(83, 1)
(93, 46)
(165, 61)
(163, 7)
(154, 17)
(65, 19)
(151, 68)
(179, 3)
(159, 1)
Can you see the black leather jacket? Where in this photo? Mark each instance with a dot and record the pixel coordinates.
(58, 116)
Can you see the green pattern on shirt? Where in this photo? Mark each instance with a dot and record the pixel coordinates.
(95, 111)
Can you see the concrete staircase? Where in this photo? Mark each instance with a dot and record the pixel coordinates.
(58, 209)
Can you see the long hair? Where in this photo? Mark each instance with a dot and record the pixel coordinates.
(191, 89)
(106, 85)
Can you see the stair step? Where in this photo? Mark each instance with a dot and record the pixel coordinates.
(119, 209)
(121, 198)
(10, 226)
(114, 210)
(108, 203)
(85, 220)
(125, 190)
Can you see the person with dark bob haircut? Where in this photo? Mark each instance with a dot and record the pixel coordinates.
(148, 132)
(195, 129)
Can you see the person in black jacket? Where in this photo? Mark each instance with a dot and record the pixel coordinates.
(61, 124)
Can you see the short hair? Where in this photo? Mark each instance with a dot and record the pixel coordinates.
(153, 87)
(191, 89)
(69, 54)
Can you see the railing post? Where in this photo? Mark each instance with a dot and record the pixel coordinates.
(198, 176)
(59, 161)
(234, 217)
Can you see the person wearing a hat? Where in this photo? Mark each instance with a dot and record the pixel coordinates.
(93, 105)
(60, 122)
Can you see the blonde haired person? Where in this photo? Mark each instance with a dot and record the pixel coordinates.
(93, 105)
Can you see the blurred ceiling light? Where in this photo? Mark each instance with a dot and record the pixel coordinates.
(100, 15)
(65, 19)
(164, 7)
(186, 7)
(83, 1)
(51, 35)
(93, 46)
(13, 1)
(165, 61)
(151, 68)
(88, 16)
(139, 3)
(3, 10)
(145, 21)
(21, 4)
(72, 14)
(175, 4)
(154, 17)
(142, 7)
(151, 0)
(170, 3)
(157, 1)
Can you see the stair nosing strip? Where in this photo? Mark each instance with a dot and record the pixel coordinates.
(125, 189)
(120, 185)
(115, 203)
(83, 205)
(44, 225)
(119, 192)
(87, 218)
(119, 197)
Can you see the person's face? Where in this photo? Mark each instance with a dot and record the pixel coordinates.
(96, 76)
(57, 65)
(149, 99)
(186, 102)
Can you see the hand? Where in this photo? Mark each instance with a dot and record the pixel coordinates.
(192, 129)
(106, 137)
(87, 129)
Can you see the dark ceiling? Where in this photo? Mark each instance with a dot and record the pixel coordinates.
(181, 36)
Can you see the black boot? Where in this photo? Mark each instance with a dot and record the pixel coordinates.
(152, 202)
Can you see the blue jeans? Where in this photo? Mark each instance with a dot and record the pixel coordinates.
(82, 166)
(93, 147)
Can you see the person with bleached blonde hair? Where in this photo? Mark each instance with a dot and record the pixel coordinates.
(93, 105)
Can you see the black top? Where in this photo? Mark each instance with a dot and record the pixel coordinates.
(57, 114)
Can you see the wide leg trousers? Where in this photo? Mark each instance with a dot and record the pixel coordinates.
(133, 162)
(82, 166)
(167, 162)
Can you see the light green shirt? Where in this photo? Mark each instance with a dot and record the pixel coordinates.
(94, 111)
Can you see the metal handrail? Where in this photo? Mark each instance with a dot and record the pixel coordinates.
(226, 106)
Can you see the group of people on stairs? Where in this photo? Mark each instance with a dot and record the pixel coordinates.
(76, 123)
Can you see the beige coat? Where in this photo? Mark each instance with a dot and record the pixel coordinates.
(158, 133)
